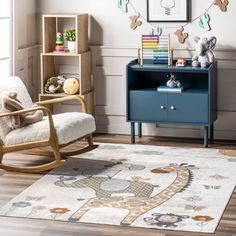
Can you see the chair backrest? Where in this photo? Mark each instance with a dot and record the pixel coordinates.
(15, 84)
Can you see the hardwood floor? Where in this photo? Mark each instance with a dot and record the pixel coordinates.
(11, 184)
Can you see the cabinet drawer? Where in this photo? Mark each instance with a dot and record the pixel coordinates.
(146, 106)
(188, 107)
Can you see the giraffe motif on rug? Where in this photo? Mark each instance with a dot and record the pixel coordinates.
(137, 206)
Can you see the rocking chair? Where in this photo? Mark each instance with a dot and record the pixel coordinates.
(56, 131)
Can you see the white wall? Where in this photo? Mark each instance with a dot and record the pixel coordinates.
(110, 26)
(114, 44)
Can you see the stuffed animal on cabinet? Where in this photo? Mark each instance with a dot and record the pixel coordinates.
(204, 55)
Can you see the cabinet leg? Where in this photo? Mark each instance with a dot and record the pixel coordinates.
(211, 133)
(140, 134)
(132, 132)
(205, 136)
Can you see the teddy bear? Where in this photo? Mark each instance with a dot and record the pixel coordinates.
(11, 103)
(204, 55)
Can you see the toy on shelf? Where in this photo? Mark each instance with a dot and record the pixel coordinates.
(180, 62)
(71, 86)
(204, 55)
(172, 82)
(156, 48)
(59, 43)
(54, 84)
(172, 85)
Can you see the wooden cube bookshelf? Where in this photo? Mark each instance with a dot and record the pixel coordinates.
(60, 23)
(65, 63)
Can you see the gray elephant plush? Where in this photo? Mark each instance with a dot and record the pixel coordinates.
(204, 55)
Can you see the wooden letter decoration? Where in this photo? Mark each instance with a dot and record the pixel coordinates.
(134, 22)
(222, 5)
(181, 36)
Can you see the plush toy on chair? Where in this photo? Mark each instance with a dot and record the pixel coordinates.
(204, 55)
(11, 103)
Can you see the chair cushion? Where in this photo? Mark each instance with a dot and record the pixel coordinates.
(69, 126)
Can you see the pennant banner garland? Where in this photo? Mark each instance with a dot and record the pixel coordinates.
(181, 35)
(222, 5)
(203, 20)
(134, 22)
(122, 4)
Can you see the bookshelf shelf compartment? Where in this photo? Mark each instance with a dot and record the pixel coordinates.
(61, 22)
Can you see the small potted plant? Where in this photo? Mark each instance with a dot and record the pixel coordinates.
(70, 36)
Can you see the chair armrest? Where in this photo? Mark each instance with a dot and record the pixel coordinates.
(67, 98)
(47, 111)
(44, 109)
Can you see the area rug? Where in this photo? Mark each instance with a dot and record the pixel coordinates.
(170, 188)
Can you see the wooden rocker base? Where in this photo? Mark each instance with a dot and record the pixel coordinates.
(32, 169)
(54, 154)
(40, 152)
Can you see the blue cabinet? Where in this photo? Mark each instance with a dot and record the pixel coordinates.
(196, 105)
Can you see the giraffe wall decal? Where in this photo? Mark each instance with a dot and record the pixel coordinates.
(137, 206)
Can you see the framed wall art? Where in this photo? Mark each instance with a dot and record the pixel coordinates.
(168, 10)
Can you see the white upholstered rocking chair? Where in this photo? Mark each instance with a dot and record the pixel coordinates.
(56, 131)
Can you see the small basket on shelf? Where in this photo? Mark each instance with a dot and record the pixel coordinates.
(54, 84)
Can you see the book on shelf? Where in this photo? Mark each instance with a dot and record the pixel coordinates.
(169, 89)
